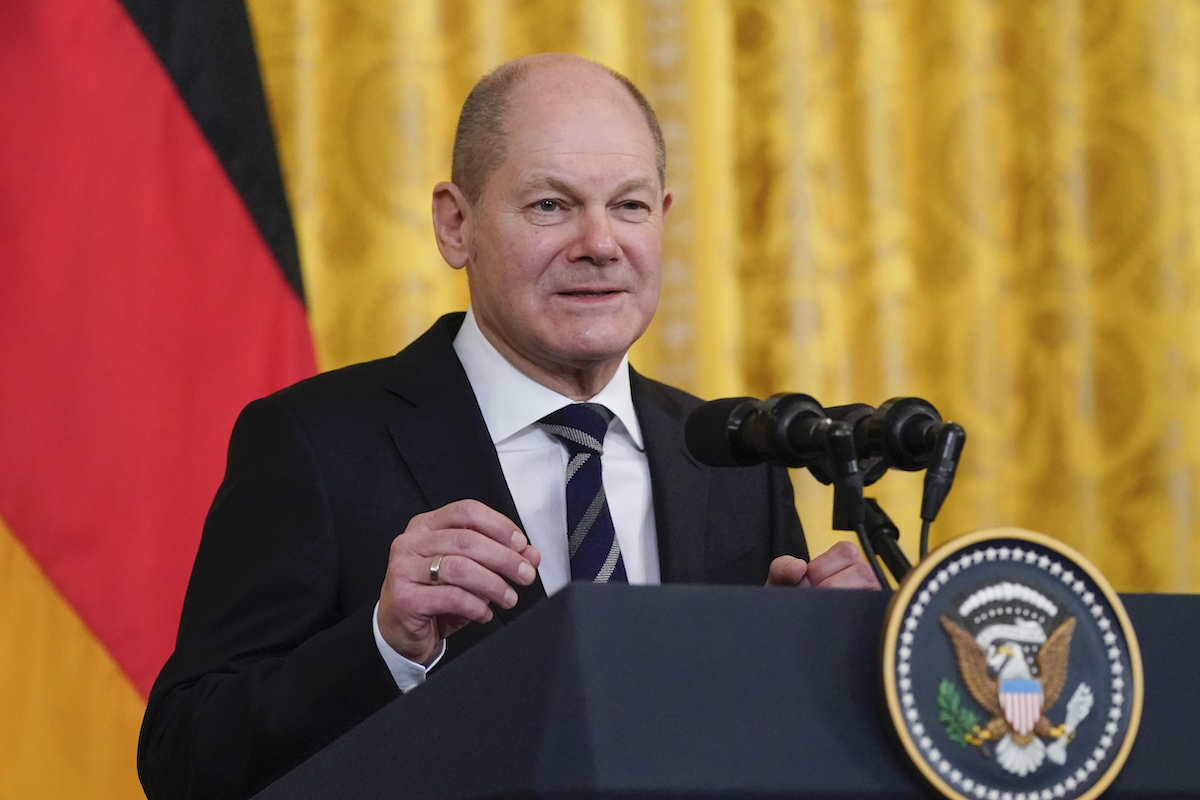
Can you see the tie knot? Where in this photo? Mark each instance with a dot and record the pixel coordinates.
(579, 425)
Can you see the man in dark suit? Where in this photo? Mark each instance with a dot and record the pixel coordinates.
(377, 520)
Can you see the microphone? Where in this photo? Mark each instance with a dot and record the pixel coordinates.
(907, 433)
(903, 431)
(712, 433)
(947, 447)
(848, 446)
(873, 466)
(789, 429)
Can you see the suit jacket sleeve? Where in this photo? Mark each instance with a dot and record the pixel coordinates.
(273, 657)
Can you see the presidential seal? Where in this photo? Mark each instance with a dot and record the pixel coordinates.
(1011, 670)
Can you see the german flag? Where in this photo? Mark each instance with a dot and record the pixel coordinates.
(149, 288)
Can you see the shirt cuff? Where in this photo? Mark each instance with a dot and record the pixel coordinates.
(408, 675)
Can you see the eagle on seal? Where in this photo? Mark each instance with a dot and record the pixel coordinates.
(1014, 697)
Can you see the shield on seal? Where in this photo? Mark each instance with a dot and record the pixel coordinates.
(1021, 699)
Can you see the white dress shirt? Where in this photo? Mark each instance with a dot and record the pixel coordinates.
(534, 462)
(534, 465)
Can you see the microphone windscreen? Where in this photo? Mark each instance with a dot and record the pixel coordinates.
(711, 433)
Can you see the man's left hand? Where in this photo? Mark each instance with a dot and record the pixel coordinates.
(840, 567)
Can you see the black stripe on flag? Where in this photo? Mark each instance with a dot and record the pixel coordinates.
(208, 50)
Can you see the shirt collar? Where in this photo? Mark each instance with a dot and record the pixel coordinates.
(512, 401)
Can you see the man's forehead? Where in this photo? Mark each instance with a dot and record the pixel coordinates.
(567, 139)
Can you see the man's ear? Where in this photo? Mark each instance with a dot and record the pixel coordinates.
(452, 224)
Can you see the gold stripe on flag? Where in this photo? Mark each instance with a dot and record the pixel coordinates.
(69, 717)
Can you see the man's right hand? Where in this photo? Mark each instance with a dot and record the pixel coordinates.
(480, 549)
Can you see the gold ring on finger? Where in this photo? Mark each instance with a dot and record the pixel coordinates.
(433, 569)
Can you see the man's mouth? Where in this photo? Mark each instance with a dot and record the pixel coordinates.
(589, 294)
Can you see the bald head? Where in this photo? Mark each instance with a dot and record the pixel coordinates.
(479, 141)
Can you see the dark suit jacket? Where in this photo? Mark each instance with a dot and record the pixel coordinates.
(275, 655)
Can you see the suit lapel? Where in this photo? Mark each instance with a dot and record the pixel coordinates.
(680, 485)
(443, 440)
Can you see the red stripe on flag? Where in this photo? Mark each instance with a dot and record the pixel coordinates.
(140, 310)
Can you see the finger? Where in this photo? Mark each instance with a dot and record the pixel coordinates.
(415, 552)
(786, 571)
(855, 576)
(532, 555)
(837, 558)
(473, 577)
(473, 515)
(465, 527)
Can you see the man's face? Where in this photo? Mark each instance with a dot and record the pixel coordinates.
(565, 243)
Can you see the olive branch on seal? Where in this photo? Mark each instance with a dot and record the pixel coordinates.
(959, 721)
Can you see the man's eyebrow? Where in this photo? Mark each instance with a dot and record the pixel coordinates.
(540, 180)
(634, 184)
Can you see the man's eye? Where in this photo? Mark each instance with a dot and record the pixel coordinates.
(635, 210)
(546, 205)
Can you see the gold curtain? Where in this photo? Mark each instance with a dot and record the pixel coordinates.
(991, 205)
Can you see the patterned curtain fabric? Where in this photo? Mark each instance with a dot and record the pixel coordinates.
(991, 205)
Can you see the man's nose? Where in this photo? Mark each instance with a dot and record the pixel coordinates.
(595, 241)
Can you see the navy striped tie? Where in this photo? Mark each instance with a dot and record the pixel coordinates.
(591, 541)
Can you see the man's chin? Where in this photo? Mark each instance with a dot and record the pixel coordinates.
(592, 346)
